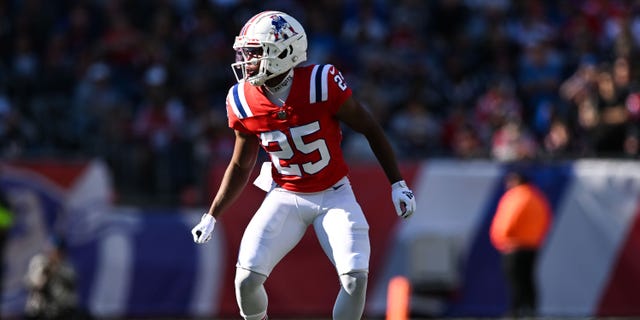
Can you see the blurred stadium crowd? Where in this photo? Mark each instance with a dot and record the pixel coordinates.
(141, 84)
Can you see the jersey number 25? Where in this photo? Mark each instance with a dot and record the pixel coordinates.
(287, 151)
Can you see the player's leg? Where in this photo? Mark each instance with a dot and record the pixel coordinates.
(250, 294)
(343, 233)
(272, 232)
(352, 296)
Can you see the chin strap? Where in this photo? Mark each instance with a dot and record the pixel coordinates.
(283, 85)
(279, 93)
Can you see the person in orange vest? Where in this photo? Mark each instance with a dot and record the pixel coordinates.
(518, 231)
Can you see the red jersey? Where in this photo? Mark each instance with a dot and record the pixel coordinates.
(303, 136)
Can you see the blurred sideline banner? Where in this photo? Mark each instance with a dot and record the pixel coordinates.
(141, 262)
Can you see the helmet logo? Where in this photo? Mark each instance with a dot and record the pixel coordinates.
(282, 28)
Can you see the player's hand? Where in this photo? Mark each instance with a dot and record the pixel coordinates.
(202, 231)
(403, 199)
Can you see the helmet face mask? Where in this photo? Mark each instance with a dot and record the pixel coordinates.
(270, 44)
(248, 62)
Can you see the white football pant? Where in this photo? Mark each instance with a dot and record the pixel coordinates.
(284, 216)
(280, 223)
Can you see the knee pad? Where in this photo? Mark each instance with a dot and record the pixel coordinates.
(248, 281)
(354, 283)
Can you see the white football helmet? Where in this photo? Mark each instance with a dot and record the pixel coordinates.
(273, 40)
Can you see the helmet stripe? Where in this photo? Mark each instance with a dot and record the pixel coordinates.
(249, 23)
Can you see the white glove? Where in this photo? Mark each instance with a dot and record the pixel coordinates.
(202, 231)
(403, 199)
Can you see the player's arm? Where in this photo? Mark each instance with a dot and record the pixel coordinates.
(358, 118)
(245, 153)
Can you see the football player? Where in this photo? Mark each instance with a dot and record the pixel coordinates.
(294, 112)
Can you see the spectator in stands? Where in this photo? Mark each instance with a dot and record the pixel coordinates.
(612, 114)
(159, 129)
(495, 106)
(632, 145)
(16, 132)
(632, 142)
(518, 231)
(460, 138)
(558, 142)
(540, 70)
(416, 130)
(513, 142)
(96, 102)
